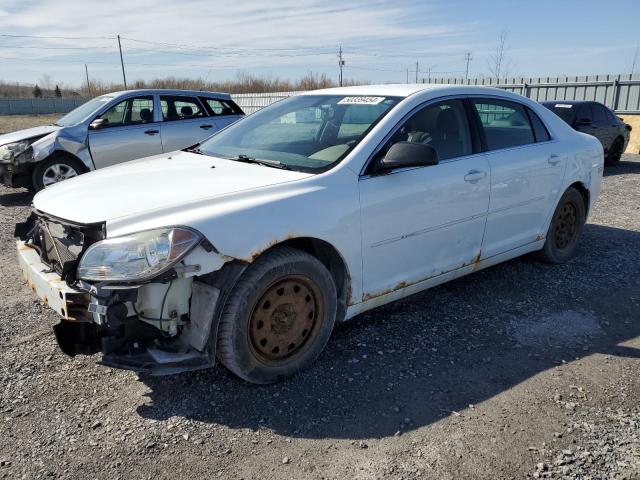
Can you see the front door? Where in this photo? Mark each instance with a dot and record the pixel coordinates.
(526, 173)
(419, 223)
(128, 131)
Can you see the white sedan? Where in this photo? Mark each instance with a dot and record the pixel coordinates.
(252, 245)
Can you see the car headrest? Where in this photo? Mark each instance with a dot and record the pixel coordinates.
(186, 111)
(146, 115)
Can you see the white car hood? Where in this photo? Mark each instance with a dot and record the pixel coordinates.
(153, 183)
(27, 133)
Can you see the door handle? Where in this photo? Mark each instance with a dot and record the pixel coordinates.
(206, 127)
(554, 159)
(474, 175)
(151, 132)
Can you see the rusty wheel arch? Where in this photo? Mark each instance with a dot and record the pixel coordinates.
(332, 260)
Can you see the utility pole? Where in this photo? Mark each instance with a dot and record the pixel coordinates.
(466, 71)
(86, 70)
(407, 75)
(417, 70)
(124, 77)
(340, 63)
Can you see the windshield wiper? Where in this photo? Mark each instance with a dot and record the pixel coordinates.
(259, 161)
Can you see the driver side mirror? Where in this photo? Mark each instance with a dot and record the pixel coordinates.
(98, 123)
(583, 122)
(407, 154)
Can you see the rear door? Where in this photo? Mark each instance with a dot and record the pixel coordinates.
(185, 122)
(129, 131)
(527, 167)
(607, 129)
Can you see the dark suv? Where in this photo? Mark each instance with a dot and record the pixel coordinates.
(597, 120)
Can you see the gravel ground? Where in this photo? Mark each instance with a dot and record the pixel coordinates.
(521, 370)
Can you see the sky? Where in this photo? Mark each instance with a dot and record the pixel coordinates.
(217, 40)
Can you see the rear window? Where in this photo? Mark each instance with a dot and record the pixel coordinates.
(566, 111)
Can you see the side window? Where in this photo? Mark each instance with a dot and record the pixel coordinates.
(132, 111)
(444, 126)
(218, 107)
(584, 113)
(177, 107)
(141, 110)
(599, 113)
(540, 131)
(505, 123)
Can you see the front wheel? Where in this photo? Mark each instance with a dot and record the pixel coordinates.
(56, 169)
(566, 225)
(278, 317)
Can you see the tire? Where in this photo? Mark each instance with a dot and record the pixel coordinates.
(55, 169)
(278, 317)
(565, 228)
(615, 152)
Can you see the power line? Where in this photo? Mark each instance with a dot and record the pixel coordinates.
(54, 37)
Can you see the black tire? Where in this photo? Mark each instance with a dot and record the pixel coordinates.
(68, 166)
(278, 318)
(565, 228)
(615, 152)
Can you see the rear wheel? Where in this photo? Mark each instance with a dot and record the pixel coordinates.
(278, 318)
(566, 225)
(615, 152)
(56, 169)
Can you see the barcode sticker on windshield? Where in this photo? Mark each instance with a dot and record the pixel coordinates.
(361, 100)
(563, 105)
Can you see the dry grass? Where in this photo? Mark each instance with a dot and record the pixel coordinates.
(11, 123)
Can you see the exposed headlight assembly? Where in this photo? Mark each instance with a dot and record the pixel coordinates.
(137, 257)
(11, 150)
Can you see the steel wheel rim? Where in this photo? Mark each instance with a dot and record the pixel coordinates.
(566, 225)
(56, 173)
(285, 319)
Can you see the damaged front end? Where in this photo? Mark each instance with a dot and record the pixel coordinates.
(148, 302)
(16, 161)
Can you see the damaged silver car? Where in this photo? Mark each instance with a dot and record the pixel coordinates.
(112, 129)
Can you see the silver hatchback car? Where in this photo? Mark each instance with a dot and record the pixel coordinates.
(111, 129)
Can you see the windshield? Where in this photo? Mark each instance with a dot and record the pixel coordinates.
(307, 132)
(83, 111)
(566, 111)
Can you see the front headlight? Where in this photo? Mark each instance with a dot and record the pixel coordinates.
(11, 150)
(136, 257)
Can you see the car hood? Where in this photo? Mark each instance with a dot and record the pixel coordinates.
(154, 183)
(27, 133)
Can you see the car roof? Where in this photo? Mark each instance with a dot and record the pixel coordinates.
(406, 90)
(169, 91)
(568, 102)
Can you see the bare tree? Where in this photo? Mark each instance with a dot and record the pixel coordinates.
(499, 62)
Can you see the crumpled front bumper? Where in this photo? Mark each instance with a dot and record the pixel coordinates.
(124, 341)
